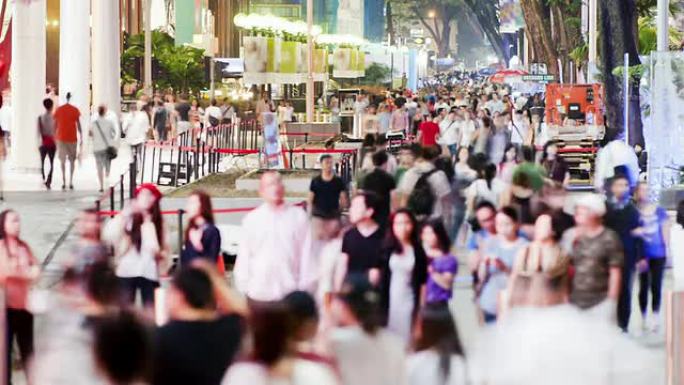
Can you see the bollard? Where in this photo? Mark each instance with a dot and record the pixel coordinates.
(142, 167)
(121, 191)
(674, 336)
(177, 171)
(180, 231)
(196, 162)
(154, 154)
(132, 176)
(111, 200)
(98, 206)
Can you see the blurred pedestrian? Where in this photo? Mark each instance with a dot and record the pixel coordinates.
(362, 244)
(365, 353)
(18, 271)
(404, 274)
(103, 135)
(202, 237)
(67, 132)
(381, 183)
(442, 265)
(205, 316)
(48, 146)
(622, 216)
(438, 358)
(654, 232)
(272, 357)
(275, 240)
(138, 236)
(497, 264)
(596, 254)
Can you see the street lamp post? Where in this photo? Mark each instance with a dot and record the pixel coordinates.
(663, 24)
(309, 77)
(147, 15)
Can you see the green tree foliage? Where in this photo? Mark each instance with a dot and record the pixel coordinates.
(180, 68)
(376, 74)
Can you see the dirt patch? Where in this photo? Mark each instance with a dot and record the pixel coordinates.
(222, 186)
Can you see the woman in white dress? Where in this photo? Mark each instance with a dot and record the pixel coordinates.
(404, 274)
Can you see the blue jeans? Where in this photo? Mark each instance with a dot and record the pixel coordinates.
(459, 217)
(453, 150)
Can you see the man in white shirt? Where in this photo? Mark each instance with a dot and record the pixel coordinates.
(520, 130)
(212, 115)
(273, 257)
(494, 104)
(449, 133)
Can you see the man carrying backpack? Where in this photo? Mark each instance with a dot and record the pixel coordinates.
(424, 189)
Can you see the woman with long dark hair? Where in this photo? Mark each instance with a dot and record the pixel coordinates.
(509, 163)
(202, 237)
(404, 274)
(273, 358)
(438, 358)
(18, 270)
(365, 353)
(486, 188)
(138, 234)
(443, 266)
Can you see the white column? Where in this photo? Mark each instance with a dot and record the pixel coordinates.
(663, 25)
(106, 56)
(593, 28)
(74, 56)
(147, 17)
(28, 80)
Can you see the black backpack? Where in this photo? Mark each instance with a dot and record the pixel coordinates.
(421, 201)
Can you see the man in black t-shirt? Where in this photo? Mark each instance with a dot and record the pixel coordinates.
(199, 343)
(362, 244)
(381, 183)
(327, 192)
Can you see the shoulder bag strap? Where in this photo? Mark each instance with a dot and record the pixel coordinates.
(102, 134)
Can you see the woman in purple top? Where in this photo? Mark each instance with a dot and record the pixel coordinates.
(654, 231)
(443, 266)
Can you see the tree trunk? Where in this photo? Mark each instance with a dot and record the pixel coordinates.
(390, 22)
(487, 17)
(539, 29)
(617, 29)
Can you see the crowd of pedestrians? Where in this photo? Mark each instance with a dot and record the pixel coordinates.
(359, 286)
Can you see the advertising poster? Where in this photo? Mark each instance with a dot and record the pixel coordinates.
(342, 59)
(350, 17)
(256, 59)
(510, 16)
(272, 149)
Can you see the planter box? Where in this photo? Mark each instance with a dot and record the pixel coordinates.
(295, 181)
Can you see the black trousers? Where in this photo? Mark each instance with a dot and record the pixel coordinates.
(624, 308)
(49, 152)
(19, 325)
(653, 280)
(130, 287)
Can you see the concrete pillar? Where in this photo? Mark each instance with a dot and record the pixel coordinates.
(663, 26)
(28, 80)
(106, 56)
(74, 56)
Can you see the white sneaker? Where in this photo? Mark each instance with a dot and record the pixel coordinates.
(654, 323)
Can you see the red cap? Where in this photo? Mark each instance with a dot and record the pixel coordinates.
(149, 187)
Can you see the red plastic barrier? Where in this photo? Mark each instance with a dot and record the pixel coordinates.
(215, 211)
